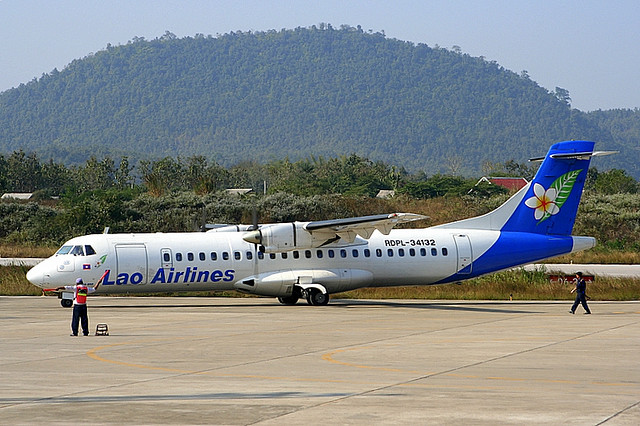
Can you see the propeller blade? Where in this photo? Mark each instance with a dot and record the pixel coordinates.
(254, 218)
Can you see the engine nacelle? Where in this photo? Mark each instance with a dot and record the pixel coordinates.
(271, 284)
(282, 283)
(280, 237)
(231, 228)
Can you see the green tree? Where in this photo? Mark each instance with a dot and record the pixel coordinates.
(23, 172)
(94, 174)
(123, 177)
(163, 175)
(615, 181)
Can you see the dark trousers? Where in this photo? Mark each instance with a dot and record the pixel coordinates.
(580, 298)
(80, 315)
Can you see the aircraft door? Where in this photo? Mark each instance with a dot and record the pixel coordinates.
(465, 259)
(167, 258)
(132, 264)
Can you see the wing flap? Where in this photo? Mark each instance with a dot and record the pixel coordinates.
(363, 226)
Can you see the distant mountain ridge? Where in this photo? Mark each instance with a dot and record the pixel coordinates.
(316, 91)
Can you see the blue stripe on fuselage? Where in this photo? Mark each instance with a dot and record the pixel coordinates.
(513, 249)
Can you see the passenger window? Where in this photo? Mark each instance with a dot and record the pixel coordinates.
(445, 251)
(179, 257)
(285, 255)
(434, 252)
(307, 254)
(412, 252)
(249, 255)
(401, 252)
(89, 250)
(225, 255)
(390, 252)
(214, 256)
(272, 255)
(367, 253)
(166, 257)
(190, 257)
(423, 252)
(296, 254)
(354, 252)
(378, 252)
(260, 255)
(343, 253)
(319, 254)
(331, 254)
(202, 256)
(237, 255)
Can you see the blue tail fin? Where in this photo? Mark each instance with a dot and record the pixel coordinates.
(551, 199)
(548, 204)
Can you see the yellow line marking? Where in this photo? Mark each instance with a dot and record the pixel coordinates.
(513, 379)
(329, 357)
(91, 353)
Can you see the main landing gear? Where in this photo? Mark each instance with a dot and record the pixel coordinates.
(317, 298)
(314, 296)
(288, 300)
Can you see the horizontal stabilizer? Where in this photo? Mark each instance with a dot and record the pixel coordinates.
(576, 155)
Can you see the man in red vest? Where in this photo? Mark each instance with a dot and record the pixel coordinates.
(80, 305)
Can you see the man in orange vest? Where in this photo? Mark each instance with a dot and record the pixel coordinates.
(80, 305)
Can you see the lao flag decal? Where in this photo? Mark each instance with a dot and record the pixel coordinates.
(86, 266)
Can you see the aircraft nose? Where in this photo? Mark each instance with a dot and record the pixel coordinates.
(35, 276)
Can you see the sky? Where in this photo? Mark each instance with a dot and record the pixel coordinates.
(590, 48)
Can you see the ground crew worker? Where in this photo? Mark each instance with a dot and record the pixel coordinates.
(581, 294)
(80, 305)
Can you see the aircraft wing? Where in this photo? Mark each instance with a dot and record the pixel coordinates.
(363, 226)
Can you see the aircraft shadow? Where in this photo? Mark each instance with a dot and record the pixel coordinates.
(494, 307)
(171, 397)
(500, 307)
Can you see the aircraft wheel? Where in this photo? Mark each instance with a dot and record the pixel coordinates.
(317, 298)
(288, 300)
(66, 303)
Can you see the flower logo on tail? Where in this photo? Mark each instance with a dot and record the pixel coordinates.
(547, 203)
(544, 202)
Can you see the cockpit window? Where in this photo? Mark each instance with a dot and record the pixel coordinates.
(77, 251)
(64, 250)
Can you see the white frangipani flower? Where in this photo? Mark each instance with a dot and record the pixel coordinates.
(544, 202)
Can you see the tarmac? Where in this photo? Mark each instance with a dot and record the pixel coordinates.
(190, 360)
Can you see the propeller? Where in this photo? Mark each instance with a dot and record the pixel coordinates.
(253, 236)
(254, 230)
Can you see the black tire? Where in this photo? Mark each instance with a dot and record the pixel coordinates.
(66, 303)
(288, 300)
(317, 298)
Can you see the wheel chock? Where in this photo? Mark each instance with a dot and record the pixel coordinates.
(102, 330)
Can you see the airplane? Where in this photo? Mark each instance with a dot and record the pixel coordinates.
(315, 259)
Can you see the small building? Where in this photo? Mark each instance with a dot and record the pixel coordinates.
(511, 183)
(17, 195)
(386, 194)
(239, 191)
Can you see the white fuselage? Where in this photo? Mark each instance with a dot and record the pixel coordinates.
(222, 260)
(314, 259)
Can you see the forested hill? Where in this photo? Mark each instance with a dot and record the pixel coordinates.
(296, 93)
